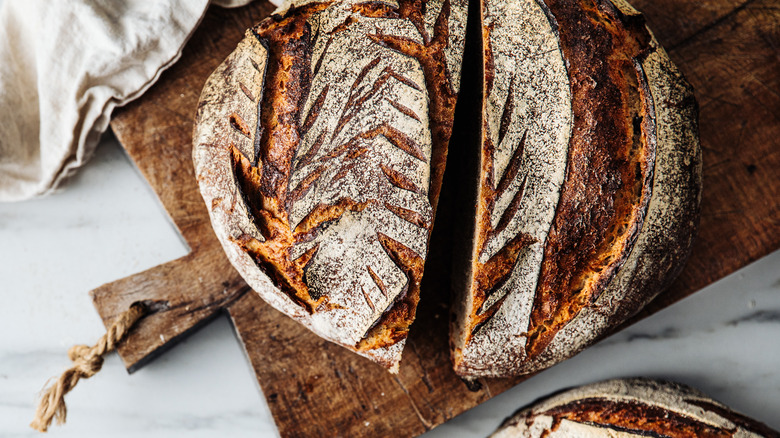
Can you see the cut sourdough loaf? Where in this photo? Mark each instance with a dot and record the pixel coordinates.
(588, 183)
(627, 408)
(319, 148)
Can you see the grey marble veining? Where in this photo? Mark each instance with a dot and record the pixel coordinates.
(107, 224)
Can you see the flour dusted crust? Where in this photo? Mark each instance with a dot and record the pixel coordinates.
(630, 408)
(319, 148)
(589, 187)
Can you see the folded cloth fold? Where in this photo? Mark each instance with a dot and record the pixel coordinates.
(65, 65)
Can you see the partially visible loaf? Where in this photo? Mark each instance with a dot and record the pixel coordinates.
(319, 148)
(626, 408)
(589, 183)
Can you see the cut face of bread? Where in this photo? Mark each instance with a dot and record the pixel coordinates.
(631, 408)
(588, 183)
(319, 148)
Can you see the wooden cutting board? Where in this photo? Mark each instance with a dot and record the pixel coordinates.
(728, 49)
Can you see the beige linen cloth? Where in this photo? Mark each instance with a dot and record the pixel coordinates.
(65, 65)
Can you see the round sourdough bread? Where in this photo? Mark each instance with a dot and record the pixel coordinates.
(626, 408)
(589, 183)
(319, 148)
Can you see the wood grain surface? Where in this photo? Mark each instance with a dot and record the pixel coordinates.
(729, 50)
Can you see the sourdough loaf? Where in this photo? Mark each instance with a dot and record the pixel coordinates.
(588, 183)
(319, 148)
(631, 408)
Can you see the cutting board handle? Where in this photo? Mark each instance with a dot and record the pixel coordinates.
(183, 301)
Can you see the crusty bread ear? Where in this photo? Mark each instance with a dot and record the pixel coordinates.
(627, 408)
(319, 148)
(590, 179)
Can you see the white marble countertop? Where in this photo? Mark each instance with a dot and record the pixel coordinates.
(107, 224)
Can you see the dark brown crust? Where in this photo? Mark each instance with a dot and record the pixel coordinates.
(678, 182)
(634, 417)
(610, 165)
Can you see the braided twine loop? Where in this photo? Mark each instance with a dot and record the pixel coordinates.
(86, 362)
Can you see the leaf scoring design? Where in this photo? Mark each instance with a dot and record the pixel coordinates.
(526, 126)
(348, 159)
(366, 146)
